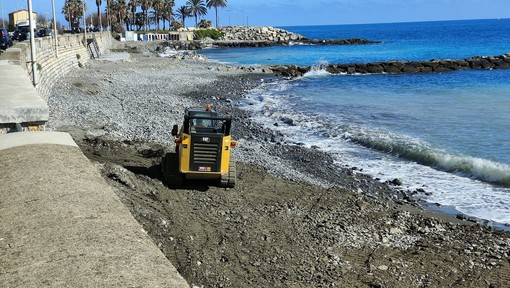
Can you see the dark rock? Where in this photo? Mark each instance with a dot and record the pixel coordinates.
(395, 182)
(410, 68)
(374, 68)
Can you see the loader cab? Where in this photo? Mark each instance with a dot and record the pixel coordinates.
(203, 146)
(200, 121)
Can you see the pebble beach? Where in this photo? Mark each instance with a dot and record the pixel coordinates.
(296, 218)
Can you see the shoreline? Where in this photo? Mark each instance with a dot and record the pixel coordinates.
(266, 227)
(386, 191)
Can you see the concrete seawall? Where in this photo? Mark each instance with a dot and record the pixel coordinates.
(23, 105)
(61, 224)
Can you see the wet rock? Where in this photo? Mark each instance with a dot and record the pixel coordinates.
(395, 182)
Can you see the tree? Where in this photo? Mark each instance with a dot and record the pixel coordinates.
(42, 21)
(204, 24)
(73, 11)
(145, 5)
(92, 18)
(183, 13)
(139, 20)
(158, 7)
(197, 8)
(133, 4)
(216, 4)
(59, 26)
(119, 15)
(98, 4)
(168, 13)
(176, 25)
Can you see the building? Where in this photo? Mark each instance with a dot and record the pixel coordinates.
(18, 17)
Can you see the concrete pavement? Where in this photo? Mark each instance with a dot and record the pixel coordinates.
(19, 101)
(20, 139)
(62, 225)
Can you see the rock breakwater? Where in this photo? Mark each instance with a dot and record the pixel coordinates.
(270, 36)
(265, 33)
(399, 67)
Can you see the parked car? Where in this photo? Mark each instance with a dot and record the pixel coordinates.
(5, 40)
(16, 35)
(43, 32)
(74, 31)
(21, 34)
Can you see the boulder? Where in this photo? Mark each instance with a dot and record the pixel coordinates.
(375, 68)
(411, 68)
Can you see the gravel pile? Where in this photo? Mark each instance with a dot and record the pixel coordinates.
(135, 102)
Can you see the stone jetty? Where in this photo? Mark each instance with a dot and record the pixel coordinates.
(399, 67)
(258, 33)
(271, 36)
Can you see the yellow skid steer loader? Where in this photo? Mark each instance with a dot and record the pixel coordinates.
(203, 146)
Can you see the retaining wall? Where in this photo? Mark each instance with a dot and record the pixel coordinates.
(51, 67)
(23, 105)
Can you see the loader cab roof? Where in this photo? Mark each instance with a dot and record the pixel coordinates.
(202, 121)
(201, 113)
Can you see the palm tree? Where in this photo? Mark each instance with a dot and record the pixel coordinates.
(197, 8)
(183, 13)
(168, 13)
(120, 9)
(112, 17)
(73, 11)
(139, 20)
(133, 4)
(158, 6)
(122, 13)
(98, 4)
(145, 4)
(216, 4)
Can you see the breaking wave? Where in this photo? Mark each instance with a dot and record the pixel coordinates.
(318, 70)
(422, 153)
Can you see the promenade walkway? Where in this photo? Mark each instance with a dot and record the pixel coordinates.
(61, 225)
(20, 105)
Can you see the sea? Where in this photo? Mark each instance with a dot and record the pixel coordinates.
(445, 136)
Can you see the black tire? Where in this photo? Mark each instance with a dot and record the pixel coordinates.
(229, 180)
(170, 169)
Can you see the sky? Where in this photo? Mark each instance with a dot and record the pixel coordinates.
(315, 12)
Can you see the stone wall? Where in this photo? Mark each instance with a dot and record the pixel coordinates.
(51, 67)
(257, 33)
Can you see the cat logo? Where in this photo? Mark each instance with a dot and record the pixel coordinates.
(206, 139)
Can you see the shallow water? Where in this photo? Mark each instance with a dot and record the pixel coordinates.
(447, 133)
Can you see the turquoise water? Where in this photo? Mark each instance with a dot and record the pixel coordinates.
(447, 133)
(401, 41)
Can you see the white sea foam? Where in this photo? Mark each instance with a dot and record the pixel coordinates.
(168, 53)
(458, 189)
(318, 70)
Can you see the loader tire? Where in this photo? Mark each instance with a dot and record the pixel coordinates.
(229, 180)
(170, 169)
